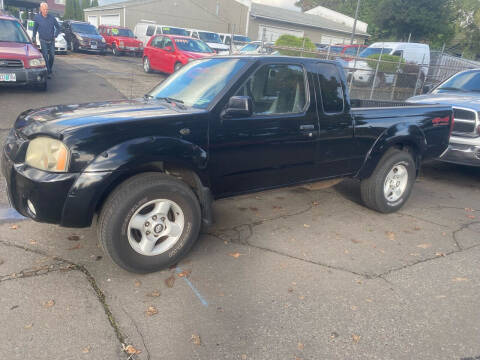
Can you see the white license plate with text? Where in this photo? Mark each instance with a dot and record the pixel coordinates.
(8, 77)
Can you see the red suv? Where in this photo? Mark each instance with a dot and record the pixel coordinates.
(121, 40)
(347, 52)
(168, 53)
(20, 62)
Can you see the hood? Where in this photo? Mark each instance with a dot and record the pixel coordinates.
(128, 41)
(196, 55)
(56, 119)
(218, 46)
(469, 100)
(9, 50)
(90, 36)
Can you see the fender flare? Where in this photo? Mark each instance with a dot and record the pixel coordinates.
(401, 135)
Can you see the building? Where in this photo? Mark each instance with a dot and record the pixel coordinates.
(241, 16)
(269, 22)
(214, 15)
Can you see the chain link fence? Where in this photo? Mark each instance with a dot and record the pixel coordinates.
(380, 79)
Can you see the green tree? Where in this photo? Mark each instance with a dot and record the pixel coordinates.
(78, 12)
(85, 4)
(295, 42)
(94, 3)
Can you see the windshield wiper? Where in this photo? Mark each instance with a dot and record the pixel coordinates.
(451, 88)
(170, 100)
(147, 96)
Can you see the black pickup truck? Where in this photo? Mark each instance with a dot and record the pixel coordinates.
(150, 168)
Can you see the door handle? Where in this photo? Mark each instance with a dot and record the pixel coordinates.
(307, 127)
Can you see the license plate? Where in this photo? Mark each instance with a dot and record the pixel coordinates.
(132, 48)
(8, 77)
(94, 46)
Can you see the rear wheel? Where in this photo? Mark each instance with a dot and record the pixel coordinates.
(146, 65)
(149, 222)
(115, 50)
(390, 185)
(178, 66)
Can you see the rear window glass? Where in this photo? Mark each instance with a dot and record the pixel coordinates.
(174, 31)
(331, 88)
(150, 30)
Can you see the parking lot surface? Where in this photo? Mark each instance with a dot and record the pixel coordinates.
(298, 273)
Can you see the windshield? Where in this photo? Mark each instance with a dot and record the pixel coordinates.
(374, 51)
(84, 29)
(192, 45)
(336, 49)
(12, 31)
(174, 31)
(244, 39)
(199, 82)
(210, 37)
(122, 32)
(250, 47)
(467, 81)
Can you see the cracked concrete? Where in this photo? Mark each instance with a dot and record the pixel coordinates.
(315, 274)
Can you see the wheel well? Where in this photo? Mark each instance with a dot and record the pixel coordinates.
(413, 150)
(186, 175)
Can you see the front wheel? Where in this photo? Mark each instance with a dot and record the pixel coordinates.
(390, 185)
(177, 67)
(146, 65)
(115, 50)
(149, 222)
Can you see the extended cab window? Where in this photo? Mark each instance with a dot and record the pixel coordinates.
(158, 42)
(276, 89)
(331, 88)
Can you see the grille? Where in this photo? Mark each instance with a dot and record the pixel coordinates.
(93, 42)
(465, 122)
(10, 63)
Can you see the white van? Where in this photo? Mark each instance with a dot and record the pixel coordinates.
(212, 39)
(239, 41)
(145, 29)
(412, 53)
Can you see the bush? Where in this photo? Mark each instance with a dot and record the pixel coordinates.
(388, 64)
(295, 42)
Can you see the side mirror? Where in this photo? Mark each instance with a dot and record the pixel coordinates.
(426, 89)
(239, 106)
(168, 48)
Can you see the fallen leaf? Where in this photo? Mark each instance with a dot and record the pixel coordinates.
(369, 300)
(315, 203)
(244, 357)
(277, 207)
(152, 310)
(154, 293)
(130, 350)
(14, 307)
(137, 283)
(86, 350)
(444, 233)
(14, 227)
(254, 209)
(440, 254)
(359, 282)
(170, 281)
(346, 251)
(441, 296)
(76, 247)
(301, 297)
(334, 335)
(414, 254)
(355, 241)
(1, 261)
(196, 339)
(390, 235)
(184, 273)
(469, 209)
(73, 238)
(424, 246)
(219, 308)
(33, 242)
(49, 303)
(356, 338)
(290, 290)
(294, 283)
(471, 216)
(300, 346)
(28, 326)
(236, 255)
(459, 279)
(354, 308)
(417, 228)
(306, 225)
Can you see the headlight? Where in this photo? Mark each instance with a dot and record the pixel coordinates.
(103, 40)
(47, 154)
(37, 62)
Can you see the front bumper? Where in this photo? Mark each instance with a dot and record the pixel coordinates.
(35, 76)
(463, 151)
(99, 47)
(67, 199)
(131, 49)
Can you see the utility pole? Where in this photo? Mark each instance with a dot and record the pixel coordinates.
(2, 7)
(355, 23)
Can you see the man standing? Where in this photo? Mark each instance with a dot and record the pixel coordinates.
(48, 29)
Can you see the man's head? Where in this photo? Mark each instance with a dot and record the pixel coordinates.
(44, 8)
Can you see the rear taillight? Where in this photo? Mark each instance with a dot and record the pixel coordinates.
(451, 124)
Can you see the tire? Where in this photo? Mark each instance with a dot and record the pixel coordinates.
(177, 67)
(374, 192)
(146, 65)
(75, 46)
(115, 50)
(117, 225)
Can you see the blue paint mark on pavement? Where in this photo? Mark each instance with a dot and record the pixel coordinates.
(7, 213)
(194, 289)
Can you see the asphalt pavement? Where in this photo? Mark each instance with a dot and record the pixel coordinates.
(297, 273)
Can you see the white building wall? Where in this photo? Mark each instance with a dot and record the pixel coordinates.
(337, 17)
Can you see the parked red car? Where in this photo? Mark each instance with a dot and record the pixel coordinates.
(121, 40)
(168, 53)
(20, 62)
(347, 52)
